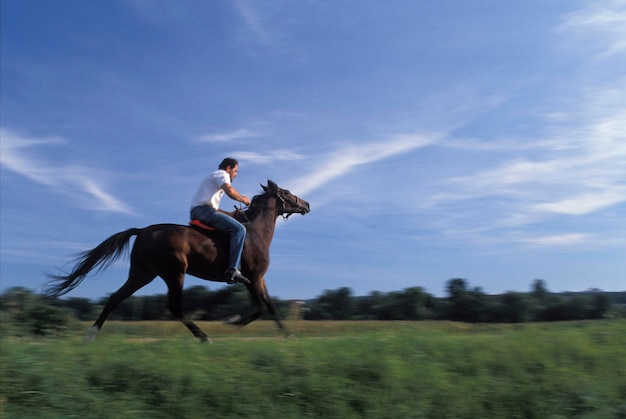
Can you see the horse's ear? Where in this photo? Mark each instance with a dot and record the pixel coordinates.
(271, 186)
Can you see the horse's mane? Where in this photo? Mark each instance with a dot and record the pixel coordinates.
(255, 207)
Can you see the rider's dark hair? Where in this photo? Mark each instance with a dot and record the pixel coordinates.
(228, 162)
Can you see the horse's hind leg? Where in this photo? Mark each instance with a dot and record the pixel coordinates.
(136, 280)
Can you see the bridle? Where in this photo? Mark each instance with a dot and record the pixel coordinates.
(276, 195)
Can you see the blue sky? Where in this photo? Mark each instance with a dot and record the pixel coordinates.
(483, 140)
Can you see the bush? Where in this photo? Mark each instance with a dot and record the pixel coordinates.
(25, 313)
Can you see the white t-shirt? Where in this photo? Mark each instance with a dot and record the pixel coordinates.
(210, 191)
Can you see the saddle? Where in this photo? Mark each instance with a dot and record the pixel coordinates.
(197, 223)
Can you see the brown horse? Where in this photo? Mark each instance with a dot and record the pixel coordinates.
(170, 251)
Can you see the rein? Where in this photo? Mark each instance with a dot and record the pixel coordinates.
(252, 204)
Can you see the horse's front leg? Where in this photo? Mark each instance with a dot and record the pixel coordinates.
(262, 298)
(238, 320)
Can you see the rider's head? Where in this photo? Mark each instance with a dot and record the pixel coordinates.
(231, 166)
(228, 162)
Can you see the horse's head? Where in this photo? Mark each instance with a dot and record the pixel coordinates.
(287, 203)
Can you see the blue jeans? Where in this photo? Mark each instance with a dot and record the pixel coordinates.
(209, 216)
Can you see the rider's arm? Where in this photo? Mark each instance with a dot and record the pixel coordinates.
(233, 194)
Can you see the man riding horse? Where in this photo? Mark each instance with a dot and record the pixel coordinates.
(171, 251)
(205, 207)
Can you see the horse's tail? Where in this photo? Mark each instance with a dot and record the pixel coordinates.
(98, 258)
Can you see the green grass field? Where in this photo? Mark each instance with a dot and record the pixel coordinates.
(331, 370)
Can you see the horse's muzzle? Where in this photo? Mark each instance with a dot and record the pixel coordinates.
(304, 207)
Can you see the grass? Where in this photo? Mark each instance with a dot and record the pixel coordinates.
(332, 370)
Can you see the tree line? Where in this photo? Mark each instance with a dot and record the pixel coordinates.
(466, 304)
(26, 311)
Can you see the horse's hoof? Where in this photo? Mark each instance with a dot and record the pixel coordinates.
(205, 339)
(234, 319)
(90, 336)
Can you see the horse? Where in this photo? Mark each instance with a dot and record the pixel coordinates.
(171, 250)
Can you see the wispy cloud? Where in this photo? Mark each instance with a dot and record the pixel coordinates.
(601, 25)
(271, 25)
(568, 239)
(13, 156)
(584, 203)
(253, 20)
(268, 157)
(79, 183)
(576, 172)
(222, 137)
(348, 157)
(566, 177)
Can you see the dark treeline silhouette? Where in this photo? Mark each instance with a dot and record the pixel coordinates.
(34, 313)
(466, 304)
